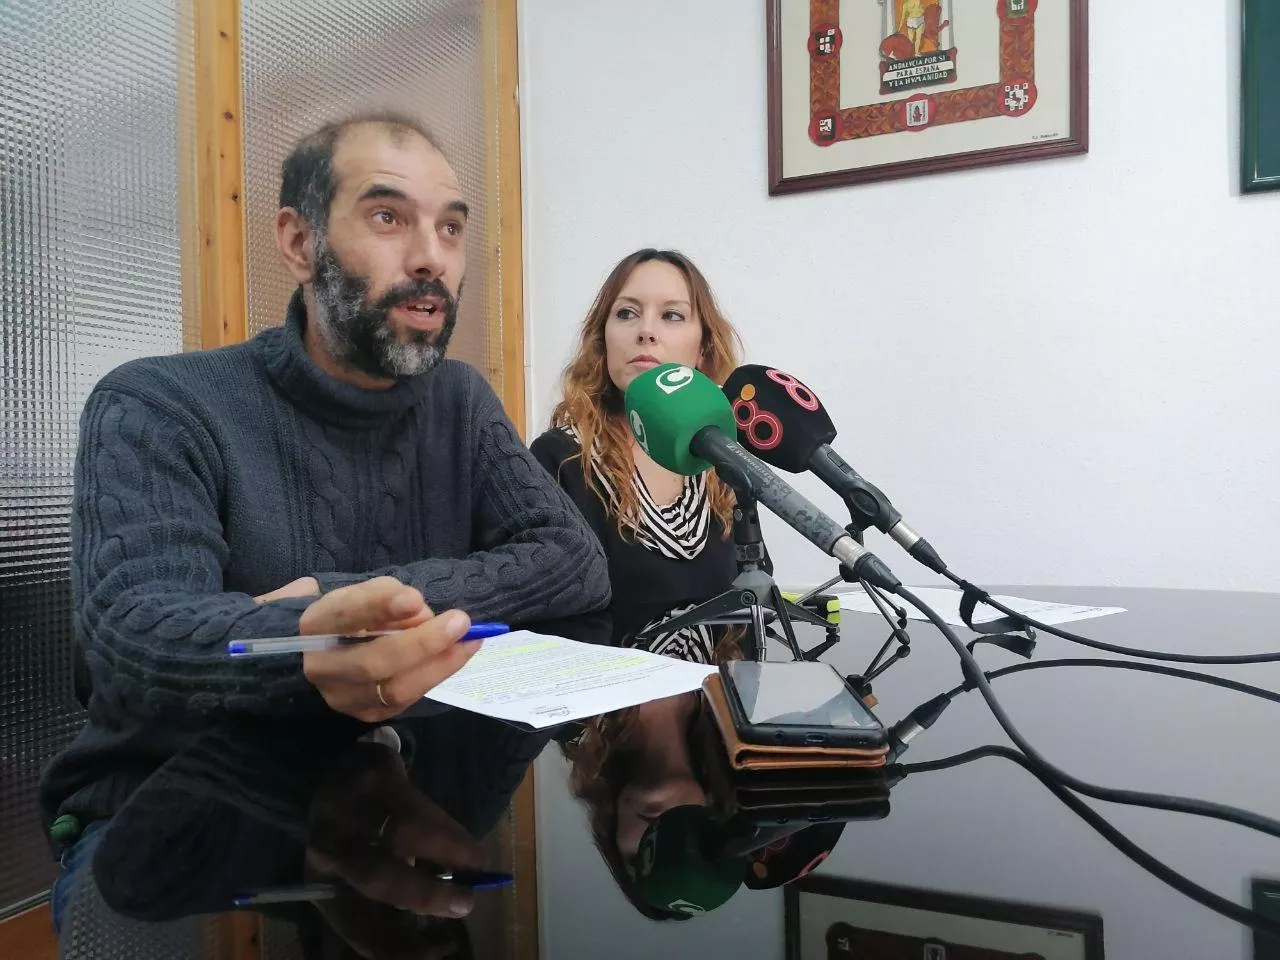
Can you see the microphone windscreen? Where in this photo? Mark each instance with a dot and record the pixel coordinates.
(777, 417)
(667, 406)
(792, 857)
(676, 870)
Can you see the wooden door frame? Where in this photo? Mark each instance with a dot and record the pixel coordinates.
(217, 262)
(505, 254)
(28, 935)
(214, 253)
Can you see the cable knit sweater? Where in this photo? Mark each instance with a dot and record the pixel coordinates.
(205, 479)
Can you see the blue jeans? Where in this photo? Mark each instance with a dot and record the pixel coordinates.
(75, 859)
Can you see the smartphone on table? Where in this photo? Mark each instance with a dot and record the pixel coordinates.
(797, 704)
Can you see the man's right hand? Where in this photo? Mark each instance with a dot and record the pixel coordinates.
(383, 841)
(379, 679)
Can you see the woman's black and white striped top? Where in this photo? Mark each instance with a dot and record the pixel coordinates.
(677, 530)
(681, 554)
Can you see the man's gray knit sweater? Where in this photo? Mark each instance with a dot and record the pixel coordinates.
(206, 479)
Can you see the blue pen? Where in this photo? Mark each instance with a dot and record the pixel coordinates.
(331, 641)
(478, 881)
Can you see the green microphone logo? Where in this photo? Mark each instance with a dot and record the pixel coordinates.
(638, 431)
(645, 855)
(685, 907)
(677, 378)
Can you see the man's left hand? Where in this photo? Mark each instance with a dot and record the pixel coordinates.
(302, 587)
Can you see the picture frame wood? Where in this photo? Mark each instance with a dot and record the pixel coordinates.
(884, 89)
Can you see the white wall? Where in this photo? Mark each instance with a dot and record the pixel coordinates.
(1077, 387)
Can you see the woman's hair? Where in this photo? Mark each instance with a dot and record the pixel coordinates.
(593, 406)
(600, 764)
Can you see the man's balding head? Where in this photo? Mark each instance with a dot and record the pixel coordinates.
(307, 179)
(371, 225)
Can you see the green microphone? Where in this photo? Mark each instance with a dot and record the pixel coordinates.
(667, 406)
(684, 422)
(683, 864)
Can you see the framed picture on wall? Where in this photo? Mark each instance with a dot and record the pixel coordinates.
(863, 90)
(832, 919)
(1260, 99)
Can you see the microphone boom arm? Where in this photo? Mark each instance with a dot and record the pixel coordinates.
(869, 507)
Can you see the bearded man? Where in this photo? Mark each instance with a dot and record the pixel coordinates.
(332, 475)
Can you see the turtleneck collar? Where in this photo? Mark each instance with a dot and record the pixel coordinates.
(284, 352)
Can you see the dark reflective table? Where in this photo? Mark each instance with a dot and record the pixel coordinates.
(367, 817)
(987, 829)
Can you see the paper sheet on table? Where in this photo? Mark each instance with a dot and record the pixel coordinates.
(540, 681)
(947, 604)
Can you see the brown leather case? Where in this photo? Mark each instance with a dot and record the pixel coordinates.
(758, 757)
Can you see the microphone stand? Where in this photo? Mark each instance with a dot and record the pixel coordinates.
(753, 589)
(893, 614)
(896, 617)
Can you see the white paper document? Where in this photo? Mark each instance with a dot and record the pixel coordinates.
(947, 604)
(541, 681)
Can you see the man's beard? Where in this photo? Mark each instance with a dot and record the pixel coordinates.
(360, 334)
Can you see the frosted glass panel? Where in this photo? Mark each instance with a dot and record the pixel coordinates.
(91, 173)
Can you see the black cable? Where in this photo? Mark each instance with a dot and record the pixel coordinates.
(924, 716)
(960, 759)
(1176, 804)
(1157, 868)
(1125, 665)
(1109, 647)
